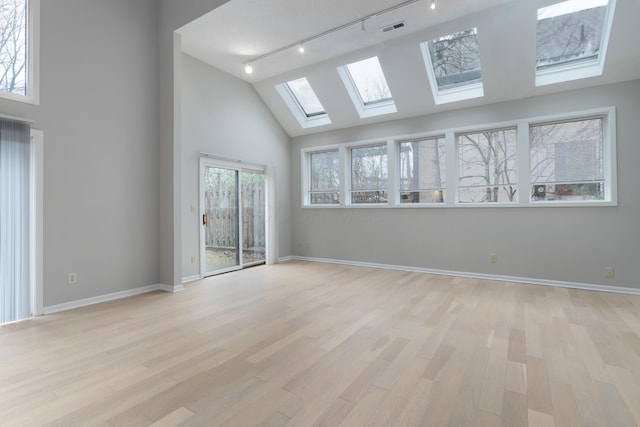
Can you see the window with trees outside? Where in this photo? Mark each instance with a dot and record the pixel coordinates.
(367, 87)
(453, 66)
(422, 170)
(14, 49)
(324, 178)
(487, 166)
(369, 174)
(567, 160)
(561, 160)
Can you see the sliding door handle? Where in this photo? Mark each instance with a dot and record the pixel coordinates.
(205, 219)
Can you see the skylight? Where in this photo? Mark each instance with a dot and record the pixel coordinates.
(306, 97)
(368, 87)
(572, 38)
(369, 79)
(303, 103)
(453, 66)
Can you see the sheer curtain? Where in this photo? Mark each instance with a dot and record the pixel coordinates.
(15, 188)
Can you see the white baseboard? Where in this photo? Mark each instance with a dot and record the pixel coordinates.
(110, 297)
(285, 258)
(171, 288)
(513, 279)
(189, 279)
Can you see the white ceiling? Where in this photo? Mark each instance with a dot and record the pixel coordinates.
(240, 30)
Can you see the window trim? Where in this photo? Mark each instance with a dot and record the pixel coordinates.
(371, 109)
(349, 182)
(451, 165)
(581, 69)
(453, 94)
(399, 190)
(33, 58)
(305, 121)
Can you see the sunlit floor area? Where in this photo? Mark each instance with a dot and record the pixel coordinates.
(318, 344)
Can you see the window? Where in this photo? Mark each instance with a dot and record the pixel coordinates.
(422, 171)
(306, 97)
(324, 179)
(562, 160)
(16, 65)
(367, 87)
(572, 38)
(567, 161)
(303, 103)
(487, 166)
(453, 66)
(369, 174)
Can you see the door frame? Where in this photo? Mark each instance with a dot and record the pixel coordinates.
(269, 224)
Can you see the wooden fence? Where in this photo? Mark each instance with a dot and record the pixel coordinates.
(222, 205)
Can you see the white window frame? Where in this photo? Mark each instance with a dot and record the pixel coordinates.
(577, 71)
(298, 112)
(435, 136)
(33, 58)
(390, 172)
(454, 94)
(365, 110)
(608, 117)
(451, 166)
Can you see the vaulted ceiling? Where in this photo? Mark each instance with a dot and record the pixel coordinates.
(241, 30)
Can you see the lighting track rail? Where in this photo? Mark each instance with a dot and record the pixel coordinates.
(302, 42)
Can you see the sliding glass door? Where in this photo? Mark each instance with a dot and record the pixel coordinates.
(233, 205)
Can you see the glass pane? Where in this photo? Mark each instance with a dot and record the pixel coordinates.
(456, 59)
(567, 160)
(253, 217)
(13, 46)
(306, 97)
(487, 167)
(422, 171)
(369, 79)
(369, 174)
(570, 31)
(221, 209)
(325, 177)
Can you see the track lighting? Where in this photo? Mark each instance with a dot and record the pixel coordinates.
(300, 43)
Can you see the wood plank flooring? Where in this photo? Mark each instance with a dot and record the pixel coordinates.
(307, 344)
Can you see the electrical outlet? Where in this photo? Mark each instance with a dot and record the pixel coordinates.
(609, 272)
(193, 259)
(72, 278)
(493, 258)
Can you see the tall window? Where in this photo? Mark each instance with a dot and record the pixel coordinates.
(487, 166)
(567, 161)
(369, 174)
(422, 171)
(324, 188)
(14, 66)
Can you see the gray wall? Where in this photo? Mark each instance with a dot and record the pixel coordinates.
(571, 244)
(99, 114)
(172, 15)
(224, 116)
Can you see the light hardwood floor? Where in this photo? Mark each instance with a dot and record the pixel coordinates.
(304, 344)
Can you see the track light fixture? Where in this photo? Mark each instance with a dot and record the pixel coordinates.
(300, 44)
